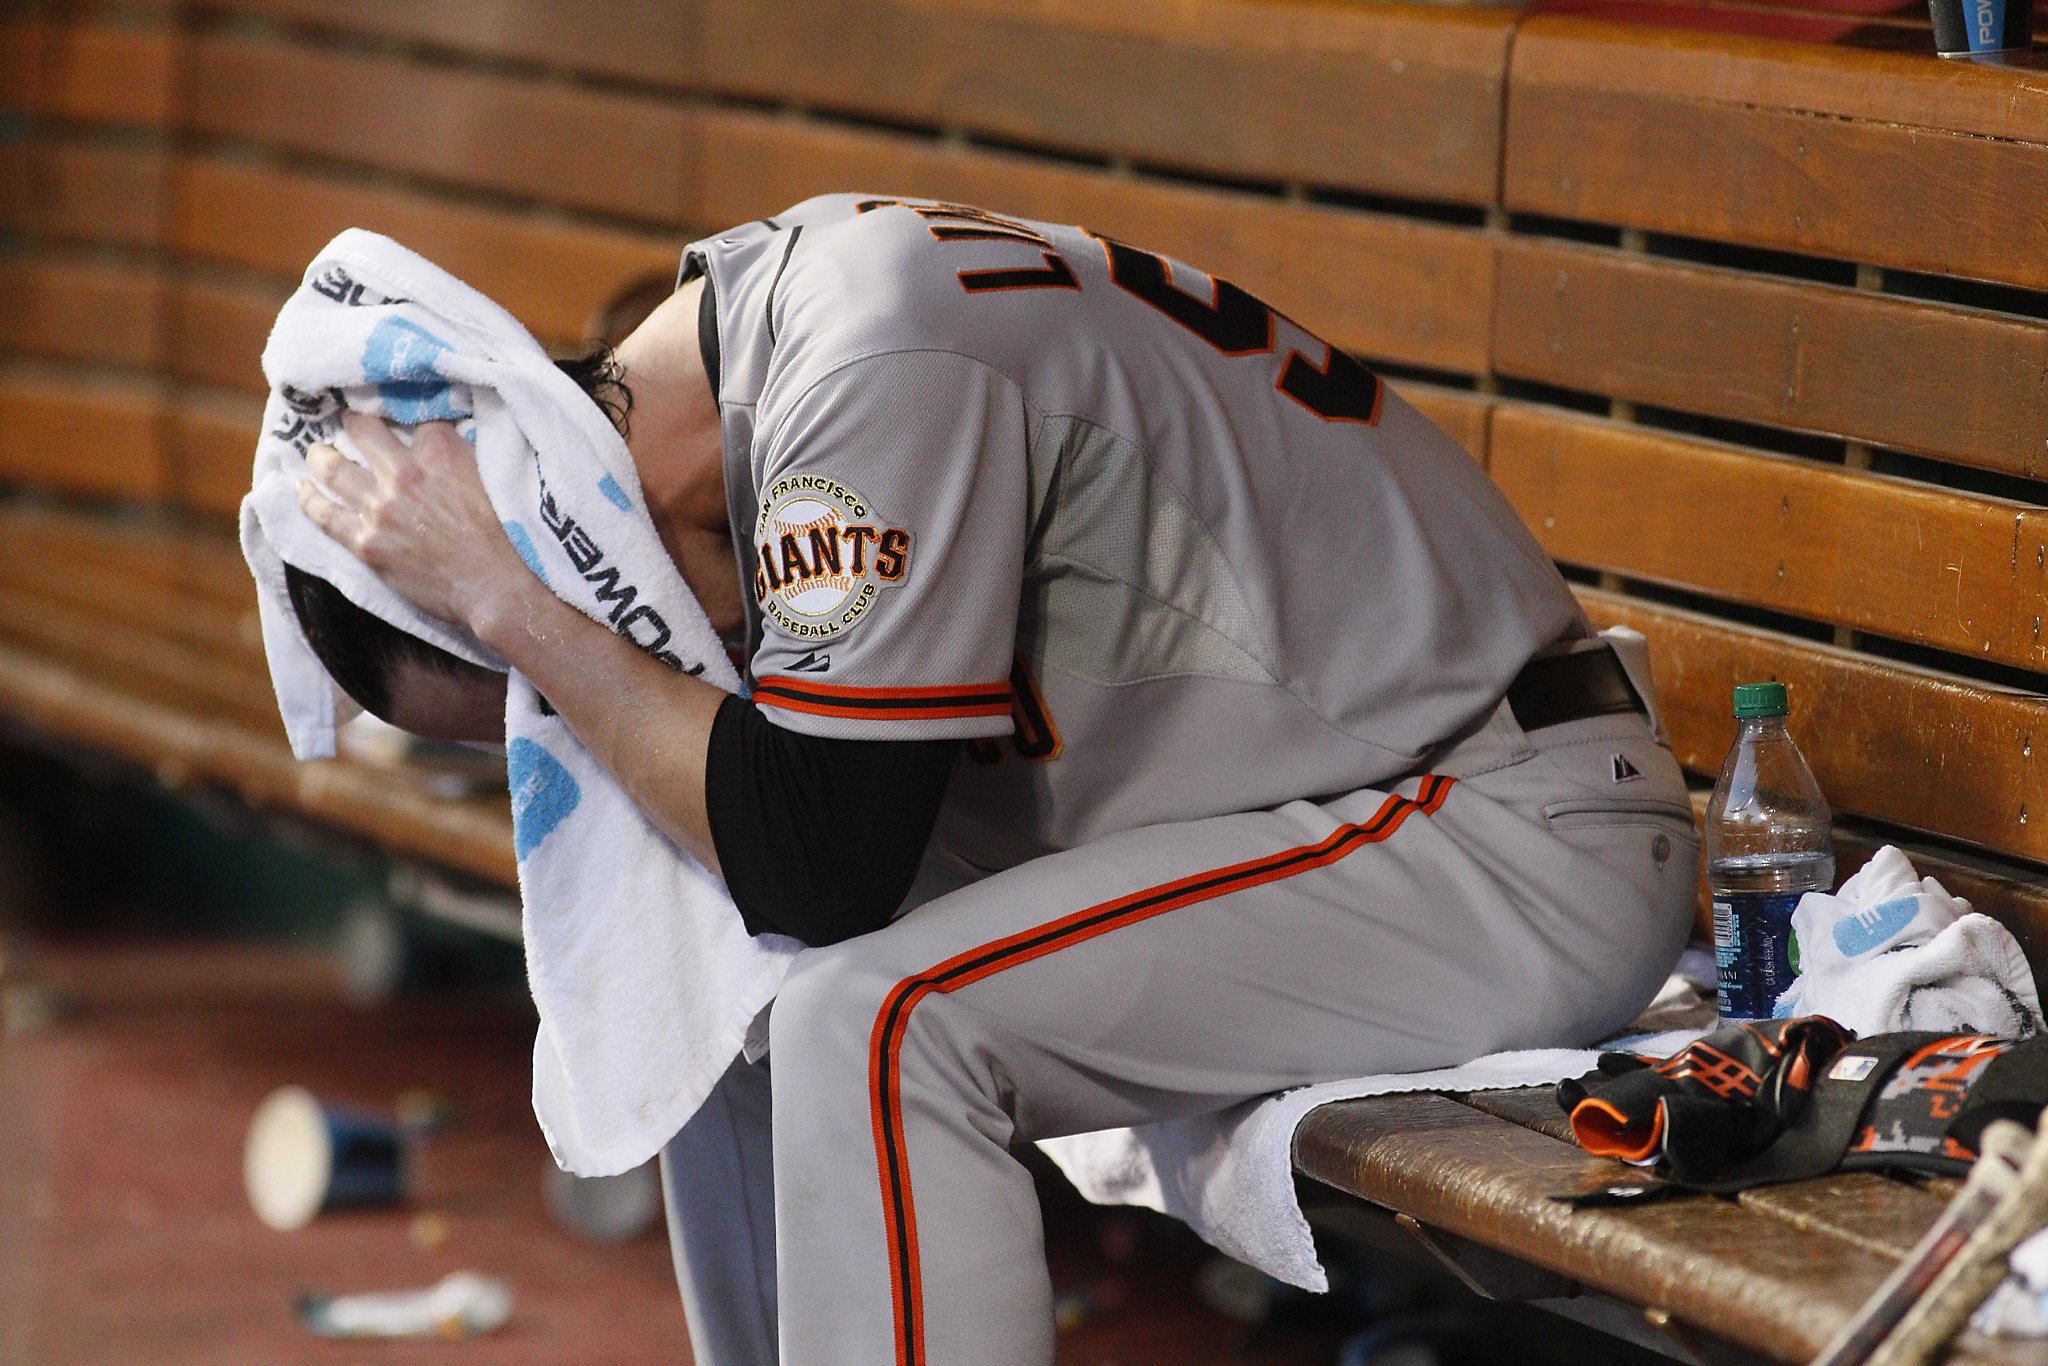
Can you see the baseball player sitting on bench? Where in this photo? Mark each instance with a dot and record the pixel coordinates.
(1235, 732)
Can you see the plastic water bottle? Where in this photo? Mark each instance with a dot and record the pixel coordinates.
(1768, 844)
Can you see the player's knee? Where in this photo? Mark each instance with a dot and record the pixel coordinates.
(860, 994)
(830, 997)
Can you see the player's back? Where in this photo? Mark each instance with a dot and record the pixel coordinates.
(1232, 569)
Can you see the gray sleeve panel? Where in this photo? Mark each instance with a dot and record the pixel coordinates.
(888, 549)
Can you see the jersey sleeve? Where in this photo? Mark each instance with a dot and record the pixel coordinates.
(888, 549)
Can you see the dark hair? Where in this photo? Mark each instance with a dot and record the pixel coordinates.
(597, 372)
(360, 649)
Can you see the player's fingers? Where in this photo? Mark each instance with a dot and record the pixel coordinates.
(440, 441)
(348, 481)
(338, 522)
(375, 439)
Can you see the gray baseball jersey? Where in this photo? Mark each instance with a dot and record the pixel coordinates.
(1160, 553)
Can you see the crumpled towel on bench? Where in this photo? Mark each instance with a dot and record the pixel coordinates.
(1230, 1175)
(645, 979)
(1894, 951)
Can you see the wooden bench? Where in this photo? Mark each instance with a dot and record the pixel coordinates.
(1815, 467)
(1743, 308)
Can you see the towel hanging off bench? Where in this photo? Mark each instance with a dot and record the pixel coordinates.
(644, 977)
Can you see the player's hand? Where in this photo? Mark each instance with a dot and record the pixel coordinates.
(417, 515)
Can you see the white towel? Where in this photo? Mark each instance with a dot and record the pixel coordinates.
(2019, 1307)
(645, 979)
(1893, 951)
(1230, 1175)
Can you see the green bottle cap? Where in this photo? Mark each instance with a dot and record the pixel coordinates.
(1759, 699)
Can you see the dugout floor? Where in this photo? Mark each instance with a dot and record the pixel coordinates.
(125, 1236)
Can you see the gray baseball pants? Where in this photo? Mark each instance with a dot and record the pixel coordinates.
(1526, 891)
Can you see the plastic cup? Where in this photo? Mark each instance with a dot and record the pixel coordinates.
(306, 1157)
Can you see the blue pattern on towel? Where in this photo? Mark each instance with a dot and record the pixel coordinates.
(1865, 930)
(543, 794)
(515, 532)
(615, 495)
(399, 358)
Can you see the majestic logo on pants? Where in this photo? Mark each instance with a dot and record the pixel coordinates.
(822, 557)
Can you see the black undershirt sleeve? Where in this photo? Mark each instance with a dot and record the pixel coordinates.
(818, 838)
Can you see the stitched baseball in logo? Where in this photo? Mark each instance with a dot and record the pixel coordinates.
(822, 557)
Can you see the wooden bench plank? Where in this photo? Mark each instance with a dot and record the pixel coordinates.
(80, 436)
(1740, 1274)
(138, 627)
(1398, 99)
(1464, 415)
(1532, 1107)
(1913, 561)
(551, 274)
(32, 534)
(1591, 137)
(1414, 291)
(1865, 1209)
(653, 42)
(171, 672)
(224, 637)
(65, 306)
(110, 70)
(1899, 744)
(472, 836)
(16, 196)
(87, 191)
(1907, 88)
(1956, 384)
(103, 572)
(24, 52)
(210, 564)
(216, 329)
(572, 146)
(203, 565)
(1387, 287)
(212, 445)
(182, 686)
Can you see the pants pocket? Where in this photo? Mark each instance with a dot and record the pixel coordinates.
(1649, 842)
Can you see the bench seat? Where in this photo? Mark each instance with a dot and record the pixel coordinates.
(168, 674)
(1766, 1276)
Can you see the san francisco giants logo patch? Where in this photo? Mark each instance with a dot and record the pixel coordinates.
(822, 557)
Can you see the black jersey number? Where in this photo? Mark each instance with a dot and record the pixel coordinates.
(1230, 320)
(965, 223)
(1237, 323)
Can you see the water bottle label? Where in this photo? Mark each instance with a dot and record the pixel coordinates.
(1753, 953)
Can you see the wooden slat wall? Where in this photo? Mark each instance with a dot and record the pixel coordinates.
(1952, 383)
(1801, 426)
(186, 163)
(1391, 99)
(1868, 157)
(1751, 331)
(1951, 570)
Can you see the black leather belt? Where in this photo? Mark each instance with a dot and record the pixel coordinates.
(1558, 688)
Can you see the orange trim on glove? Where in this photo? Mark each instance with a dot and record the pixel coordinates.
(1605, 1131)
